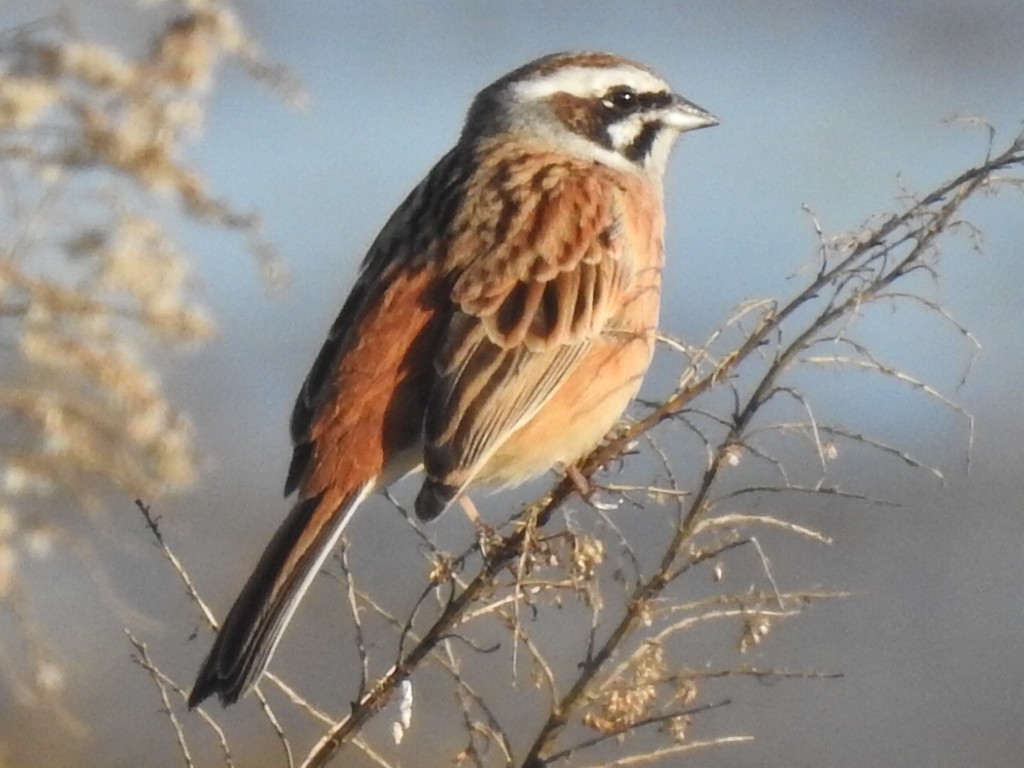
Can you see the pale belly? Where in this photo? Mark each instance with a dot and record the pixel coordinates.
(591, 400)
(578, 416)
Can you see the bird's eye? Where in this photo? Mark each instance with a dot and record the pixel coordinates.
(622, 99)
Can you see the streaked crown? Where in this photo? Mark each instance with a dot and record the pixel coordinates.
(597, 106)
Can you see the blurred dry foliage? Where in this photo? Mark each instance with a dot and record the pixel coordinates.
(571, 634)
(93, 178)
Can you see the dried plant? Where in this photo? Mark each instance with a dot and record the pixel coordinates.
(578, 624)
(92, 282)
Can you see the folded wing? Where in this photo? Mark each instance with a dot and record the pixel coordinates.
(526, 312)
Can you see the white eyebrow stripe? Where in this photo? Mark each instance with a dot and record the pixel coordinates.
(588, 82)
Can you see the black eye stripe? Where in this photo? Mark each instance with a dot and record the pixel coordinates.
(625, 100)
(656, 100)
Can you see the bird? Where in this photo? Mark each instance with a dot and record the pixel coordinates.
(499, 326)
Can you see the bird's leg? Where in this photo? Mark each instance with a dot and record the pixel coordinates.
(579, 481)
(485, 534)
(471, 511)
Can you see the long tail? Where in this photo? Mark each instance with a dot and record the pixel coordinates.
(254, 626)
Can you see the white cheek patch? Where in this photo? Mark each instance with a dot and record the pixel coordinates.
(657, 157)
(589, 82)
(610, 157)
(624, 132)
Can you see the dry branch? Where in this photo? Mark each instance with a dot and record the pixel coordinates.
(629, 675)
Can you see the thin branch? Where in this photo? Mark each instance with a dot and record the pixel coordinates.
(350, 592)
(153, 523)
(739, 519)
(141, 657)
(268, 712)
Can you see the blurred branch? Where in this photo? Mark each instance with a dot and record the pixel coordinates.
(94, 179)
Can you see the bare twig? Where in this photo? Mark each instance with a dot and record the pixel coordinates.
(141, 657)
(153, 523)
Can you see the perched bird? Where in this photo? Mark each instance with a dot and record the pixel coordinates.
(502, 321)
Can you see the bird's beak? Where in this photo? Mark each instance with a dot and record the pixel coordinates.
(684, 115)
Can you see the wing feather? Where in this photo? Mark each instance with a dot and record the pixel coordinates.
(525, 312)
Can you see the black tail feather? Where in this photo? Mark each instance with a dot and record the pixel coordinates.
(434, 498)
(259, 616)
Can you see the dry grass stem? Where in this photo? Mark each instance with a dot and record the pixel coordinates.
(94, 286)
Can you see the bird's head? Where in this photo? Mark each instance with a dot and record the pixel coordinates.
(597, 106)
